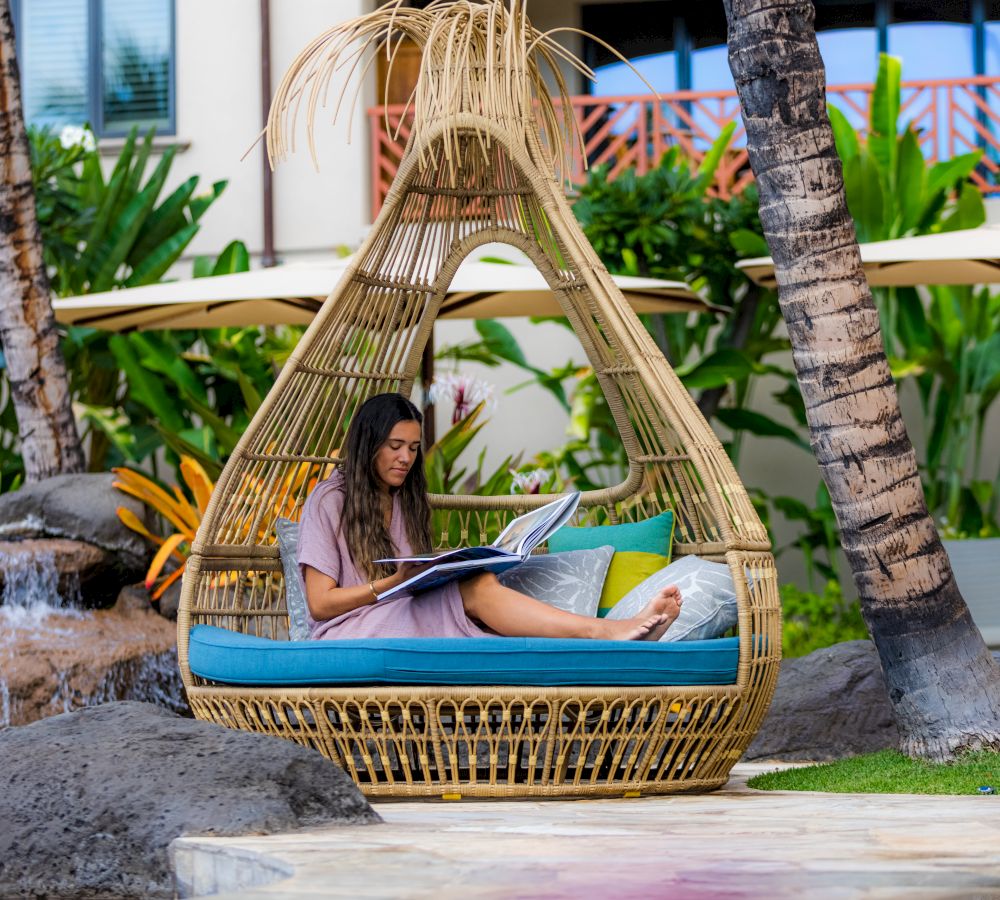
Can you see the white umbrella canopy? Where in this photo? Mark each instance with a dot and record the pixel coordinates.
(293, 294)
(971, 256)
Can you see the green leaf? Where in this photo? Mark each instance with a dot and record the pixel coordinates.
(946, 175)
(116, 248)
(844, 135)
(710, 162)
(501, 342)
(202, 202)
(911, 320)
(865, 199)
(910, 173)
(158, 354)
(760, 425)
(716, 369)
(202, 267)
(884, 113)
(748, 244)
(968, 212)
(154, 266)
(163, 222)
(144, 386)
(234, 258)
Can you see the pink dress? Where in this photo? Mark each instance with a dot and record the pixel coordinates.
(322, 545)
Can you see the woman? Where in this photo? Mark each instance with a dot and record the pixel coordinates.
(375, 506)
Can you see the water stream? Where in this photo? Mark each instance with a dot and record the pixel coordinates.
(33, 608)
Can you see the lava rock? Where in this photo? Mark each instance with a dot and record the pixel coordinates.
(828, 704)
(91, 800)
(80, 508)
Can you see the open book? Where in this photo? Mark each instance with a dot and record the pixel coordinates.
(512, 547)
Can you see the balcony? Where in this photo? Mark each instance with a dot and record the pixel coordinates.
(952, 116)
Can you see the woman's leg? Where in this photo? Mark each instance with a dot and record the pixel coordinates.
(513, 614)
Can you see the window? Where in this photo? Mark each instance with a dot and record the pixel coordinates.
(106, 62)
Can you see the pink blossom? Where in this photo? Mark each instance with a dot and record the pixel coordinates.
(464, 391)
(529, 482)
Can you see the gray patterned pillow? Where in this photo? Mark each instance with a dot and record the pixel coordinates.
(708, 607)
(571, 581)
(295, 589)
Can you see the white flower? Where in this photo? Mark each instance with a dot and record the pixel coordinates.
(529, 482)
(464, 391)
(77, 136)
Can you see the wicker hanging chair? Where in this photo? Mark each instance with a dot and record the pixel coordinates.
(480, 166)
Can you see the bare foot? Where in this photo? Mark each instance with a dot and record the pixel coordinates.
(652, 622)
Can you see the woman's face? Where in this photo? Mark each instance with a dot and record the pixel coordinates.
(398, 453)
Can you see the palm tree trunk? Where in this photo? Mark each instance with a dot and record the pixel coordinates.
(50, 443)
(943, 683)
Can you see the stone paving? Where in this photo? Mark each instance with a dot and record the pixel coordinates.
(732, 843)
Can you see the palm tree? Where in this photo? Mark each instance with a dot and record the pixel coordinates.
(942, 681)
(36, 371)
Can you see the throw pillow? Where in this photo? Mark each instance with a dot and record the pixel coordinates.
(649, 536)
(295, 589)
(708, 607)
(569, 581)
(627, 570)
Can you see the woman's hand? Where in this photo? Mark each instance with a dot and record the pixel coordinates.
(407, 570)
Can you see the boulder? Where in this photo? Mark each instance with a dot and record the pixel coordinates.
(828, 705)
(91, 800)
(78, 509)
(54, 660)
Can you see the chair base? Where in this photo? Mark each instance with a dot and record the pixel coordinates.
(475, 742)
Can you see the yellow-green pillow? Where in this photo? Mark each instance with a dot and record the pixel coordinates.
(628, 569)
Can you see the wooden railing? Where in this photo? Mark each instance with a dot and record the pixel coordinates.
(952, 115)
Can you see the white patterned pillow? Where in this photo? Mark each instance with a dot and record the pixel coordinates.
(295, 589)
(708, 599)
(571, 581)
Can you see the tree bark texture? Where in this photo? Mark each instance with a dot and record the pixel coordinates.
(942, 681)
(50, 443)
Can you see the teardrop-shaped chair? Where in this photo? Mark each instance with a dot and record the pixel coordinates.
(465, 180)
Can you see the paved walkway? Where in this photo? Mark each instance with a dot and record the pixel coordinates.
(733, 843)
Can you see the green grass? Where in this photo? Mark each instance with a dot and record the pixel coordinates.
(889, 772)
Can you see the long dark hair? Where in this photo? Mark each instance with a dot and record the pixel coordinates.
(363, 518)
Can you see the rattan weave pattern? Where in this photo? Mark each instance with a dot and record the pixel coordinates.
(462, 183)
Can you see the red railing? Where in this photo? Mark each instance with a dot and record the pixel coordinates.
(952, 115)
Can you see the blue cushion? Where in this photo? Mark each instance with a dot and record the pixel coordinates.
(653, 535)
(232, 658)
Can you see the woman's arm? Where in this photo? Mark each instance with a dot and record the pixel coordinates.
(327, 601)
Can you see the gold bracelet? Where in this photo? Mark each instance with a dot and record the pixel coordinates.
(371, 587)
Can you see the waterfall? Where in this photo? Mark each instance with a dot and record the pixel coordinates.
(33, 606)
(31, 590)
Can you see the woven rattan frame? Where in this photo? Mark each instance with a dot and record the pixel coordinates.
(464, 182)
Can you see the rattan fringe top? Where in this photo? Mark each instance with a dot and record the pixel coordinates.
(478, 56)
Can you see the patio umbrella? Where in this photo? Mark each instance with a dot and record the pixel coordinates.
(971, 256)
(292, 295)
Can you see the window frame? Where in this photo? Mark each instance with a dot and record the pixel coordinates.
(95, 69)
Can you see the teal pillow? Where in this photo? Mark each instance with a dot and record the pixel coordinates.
(650, 536)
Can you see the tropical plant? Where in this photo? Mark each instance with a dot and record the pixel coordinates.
(953, 358)
(891, 189)
(174, 507)
(669, 224)
(812, 620)
(102, 233)
(946, 340)
(184, 512)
